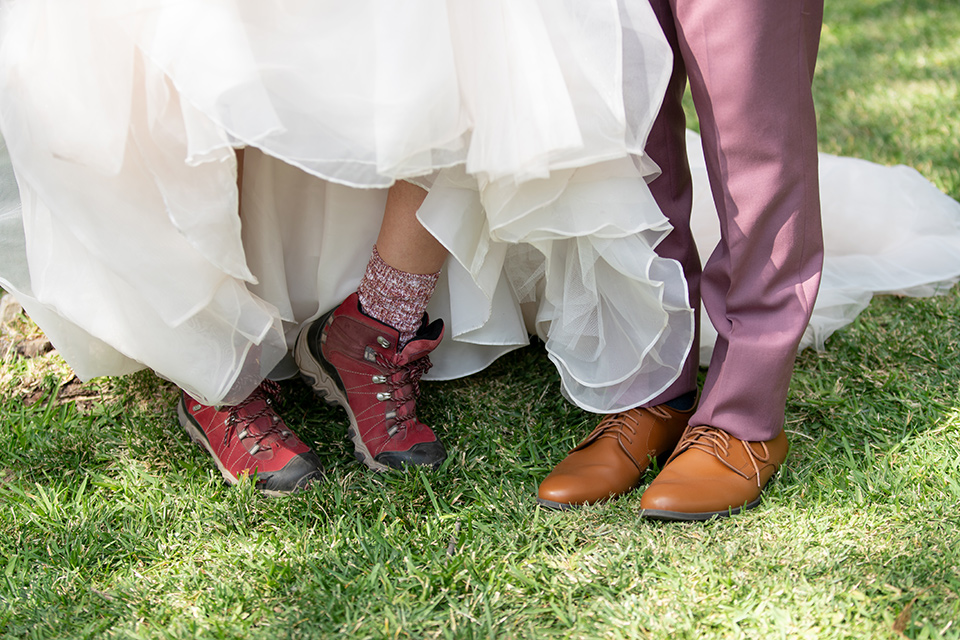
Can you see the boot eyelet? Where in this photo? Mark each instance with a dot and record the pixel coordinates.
(379, 379)
(383, 342)
(383, 396)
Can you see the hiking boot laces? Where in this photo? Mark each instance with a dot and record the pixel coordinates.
(245, 425)
(396, 377)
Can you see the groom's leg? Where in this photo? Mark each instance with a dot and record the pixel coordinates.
(762, 174)
(750, 65)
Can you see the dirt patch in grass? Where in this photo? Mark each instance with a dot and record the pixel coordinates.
(31, 369)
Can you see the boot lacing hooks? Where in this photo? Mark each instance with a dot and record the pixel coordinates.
(269, 392)
(396, 377)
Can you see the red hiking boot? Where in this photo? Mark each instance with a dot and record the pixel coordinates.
(352, 360)
(250, 438)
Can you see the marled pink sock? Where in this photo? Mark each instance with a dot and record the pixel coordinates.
(395, 297)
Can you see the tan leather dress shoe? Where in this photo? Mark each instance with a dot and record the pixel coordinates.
(610, 461)
(710, 474)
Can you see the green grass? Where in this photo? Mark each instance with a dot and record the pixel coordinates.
(888, 84)
(112, 524)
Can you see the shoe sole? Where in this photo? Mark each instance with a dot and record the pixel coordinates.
(680, 516)
(327, 389)
(558, 506)
(197, 435)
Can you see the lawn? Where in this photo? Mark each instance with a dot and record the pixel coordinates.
(113, 524)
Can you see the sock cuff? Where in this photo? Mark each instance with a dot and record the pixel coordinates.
(395, 297)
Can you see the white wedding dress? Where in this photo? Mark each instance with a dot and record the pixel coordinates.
(121, 118)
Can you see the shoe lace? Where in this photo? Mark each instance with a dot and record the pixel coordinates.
(396, 378)
(622, 426)
(716, 442)
(241, 423)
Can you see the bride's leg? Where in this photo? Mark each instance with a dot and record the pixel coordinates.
(404, 266)
(368, 354)
(403, 243)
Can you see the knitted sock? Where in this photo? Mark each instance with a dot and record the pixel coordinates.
(684, 402)
(395, 297)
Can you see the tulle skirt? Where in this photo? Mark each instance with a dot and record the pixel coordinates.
(122, 116)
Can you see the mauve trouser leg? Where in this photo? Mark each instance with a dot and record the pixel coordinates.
(750, 67)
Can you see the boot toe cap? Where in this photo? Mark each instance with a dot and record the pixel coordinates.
(296, 475)
(427, 454)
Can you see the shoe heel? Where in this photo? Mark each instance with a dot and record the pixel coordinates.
(200, 439)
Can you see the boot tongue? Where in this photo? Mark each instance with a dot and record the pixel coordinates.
(257, 418)
(426, 340)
